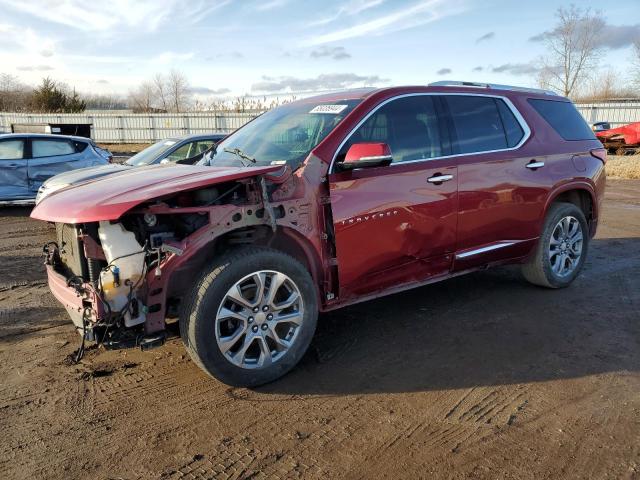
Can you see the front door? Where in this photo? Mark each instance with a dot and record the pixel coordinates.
(394, 225)
(14, 182)
(49, 157)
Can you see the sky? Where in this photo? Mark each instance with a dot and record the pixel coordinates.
(272, 47)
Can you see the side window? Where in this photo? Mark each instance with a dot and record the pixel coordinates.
(564, 118)
(409, 125)
(11, 149)
(181, 153)
(50, 148)
(477, 123)
(80, 146)
(201, 147)
(512, 128)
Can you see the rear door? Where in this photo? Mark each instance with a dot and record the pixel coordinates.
(51, 156)
(392, 225)
(500, 198)
(14, 182)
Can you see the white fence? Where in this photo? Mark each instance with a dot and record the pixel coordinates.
(136, 128)
(616, 113)
(146, 128)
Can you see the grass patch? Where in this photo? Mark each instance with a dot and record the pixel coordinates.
(126, 148)
(627, 167)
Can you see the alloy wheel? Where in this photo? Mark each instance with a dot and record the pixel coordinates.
(565, 246)
(259, 319)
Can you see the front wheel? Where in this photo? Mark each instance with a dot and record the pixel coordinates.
(561, 249)
(251, 316)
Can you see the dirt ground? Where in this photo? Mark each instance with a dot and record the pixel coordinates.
(482, 376)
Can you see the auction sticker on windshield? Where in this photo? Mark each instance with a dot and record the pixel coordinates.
(331, 109)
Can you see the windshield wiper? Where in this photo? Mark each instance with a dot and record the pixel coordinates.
(243, 156)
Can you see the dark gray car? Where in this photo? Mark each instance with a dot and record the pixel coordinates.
(28, 160)
(187, 149)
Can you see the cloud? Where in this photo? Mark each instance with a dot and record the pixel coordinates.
(263, 6)
(34, 68)
(169, 58)
(421, 13)
(208, 91)
(444, 71)
(610, 36)
(619, 36)
(331, 81)
(146, 15)
(337, 53)
(352, 7)
(517, 68)
(486, 36)
(477, 69)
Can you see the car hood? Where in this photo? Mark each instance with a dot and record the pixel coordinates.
(73, 177)
(109, 197)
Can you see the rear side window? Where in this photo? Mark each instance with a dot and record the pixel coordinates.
(477, 124)
(11, 149)
(51, 148)
(564, 118)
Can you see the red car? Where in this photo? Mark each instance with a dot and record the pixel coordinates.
(323, 203)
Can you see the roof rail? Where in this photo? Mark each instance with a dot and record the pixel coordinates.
(494, 86)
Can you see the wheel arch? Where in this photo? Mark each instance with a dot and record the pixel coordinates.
(582, 195)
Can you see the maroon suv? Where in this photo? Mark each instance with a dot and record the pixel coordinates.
(319, 204)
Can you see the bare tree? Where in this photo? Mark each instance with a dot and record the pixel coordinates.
(178, 88)
(161, 91)
(573, 49)
(14, 95)
(605, 85)
(636, 63)
(142, 98)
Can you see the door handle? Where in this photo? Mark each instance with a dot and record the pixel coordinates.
(438, 178)
(533, 165)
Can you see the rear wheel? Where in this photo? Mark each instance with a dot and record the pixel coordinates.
(562, 248)
(251, 316)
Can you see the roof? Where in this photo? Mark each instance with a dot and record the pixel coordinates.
(440, 87)
(44, 135)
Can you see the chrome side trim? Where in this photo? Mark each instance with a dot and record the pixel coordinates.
(488, 248)
(514, 110)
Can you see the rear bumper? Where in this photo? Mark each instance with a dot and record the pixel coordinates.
(74, 299)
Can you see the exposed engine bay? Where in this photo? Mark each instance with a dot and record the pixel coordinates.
(118, 267)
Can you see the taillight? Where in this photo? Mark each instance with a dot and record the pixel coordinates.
(600, 154)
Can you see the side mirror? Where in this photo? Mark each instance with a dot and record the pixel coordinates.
(366, 155)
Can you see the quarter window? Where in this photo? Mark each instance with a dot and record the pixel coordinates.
(409, 125)
(12, 150)
(51, 148)
(564, 118)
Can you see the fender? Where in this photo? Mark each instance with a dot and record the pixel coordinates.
(583, 185)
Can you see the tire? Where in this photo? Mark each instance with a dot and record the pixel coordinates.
(227, 332)
(539, 268)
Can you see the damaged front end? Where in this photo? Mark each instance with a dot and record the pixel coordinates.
(97, 271)
(122, 279)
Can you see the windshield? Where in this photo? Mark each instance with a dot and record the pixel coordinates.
(283, 135)
(149, 154)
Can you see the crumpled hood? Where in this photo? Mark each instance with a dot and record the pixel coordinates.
(109, 197)
(73, 177)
